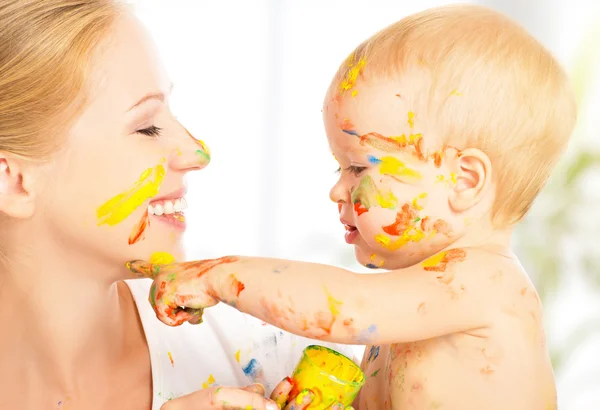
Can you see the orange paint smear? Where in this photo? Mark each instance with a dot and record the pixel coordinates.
(138, 230)
(397, 144)
(404, 220)
(205, 266)
(236, 286)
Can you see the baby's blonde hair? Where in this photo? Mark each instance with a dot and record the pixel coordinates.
(481, 81)
(45, 50)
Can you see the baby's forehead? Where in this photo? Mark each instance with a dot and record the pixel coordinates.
(376, 105)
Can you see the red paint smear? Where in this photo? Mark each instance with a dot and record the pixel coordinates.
(346, 125)
(404, 220)
(236, 286)
(359, 208)
(138, 230)
(205, 266)
(453, 255)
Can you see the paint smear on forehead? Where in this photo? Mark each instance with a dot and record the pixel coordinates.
(118, 208)
(354, 69)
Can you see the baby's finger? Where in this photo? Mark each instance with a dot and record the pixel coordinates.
(143, 269)
(281, 392)
(301, 401)
(255, 388)
(242, 399)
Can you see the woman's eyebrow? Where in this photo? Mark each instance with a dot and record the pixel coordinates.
(151, 96)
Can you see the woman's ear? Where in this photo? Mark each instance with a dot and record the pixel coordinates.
(473, 179)
(16, 195)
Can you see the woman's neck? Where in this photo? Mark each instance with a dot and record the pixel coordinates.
(63, 318)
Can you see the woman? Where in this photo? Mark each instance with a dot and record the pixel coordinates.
(91, 175)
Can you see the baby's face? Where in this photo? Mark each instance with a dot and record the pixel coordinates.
(395, 178)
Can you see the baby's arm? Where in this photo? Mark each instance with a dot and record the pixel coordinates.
(445, 294)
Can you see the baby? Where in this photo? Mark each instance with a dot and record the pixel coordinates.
(446, 125)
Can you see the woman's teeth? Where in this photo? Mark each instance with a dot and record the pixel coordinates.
(167, 207)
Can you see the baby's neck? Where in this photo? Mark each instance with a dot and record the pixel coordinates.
(483, 235)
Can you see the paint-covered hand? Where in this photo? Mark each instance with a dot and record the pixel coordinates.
(281, 395)
(180, 291)
(250, 397)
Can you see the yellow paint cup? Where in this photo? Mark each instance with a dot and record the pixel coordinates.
(329, 375)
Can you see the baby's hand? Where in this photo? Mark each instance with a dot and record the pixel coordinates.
(281, 395)
(180, 291)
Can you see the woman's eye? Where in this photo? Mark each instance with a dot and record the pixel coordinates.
(152, 131)
(355, 170)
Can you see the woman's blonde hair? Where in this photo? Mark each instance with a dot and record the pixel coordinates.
(480, 81)
(45, 50)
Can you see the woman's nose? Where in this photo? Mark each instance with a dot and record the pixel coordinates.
(193, 154)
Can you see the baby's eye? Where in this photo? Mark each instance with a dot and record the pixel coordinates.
(355, 170)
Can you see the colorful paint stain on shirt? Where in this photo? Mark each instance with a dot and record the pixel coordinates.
(171, 359)
(210, 382)
(118, 208)
(237, 355)
(253, 370)
(439, 262)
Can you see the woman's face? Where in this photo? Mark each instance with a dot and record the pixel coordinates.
(114, 191)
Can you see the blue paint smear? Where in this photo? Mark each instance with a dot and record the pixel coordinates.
(365, 335)
(351, 132)
(252, 369)
(374, 160)
(371, 266)
(373, 353)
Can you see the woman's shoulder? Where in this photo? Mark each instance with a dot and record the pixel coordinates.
(228, 348)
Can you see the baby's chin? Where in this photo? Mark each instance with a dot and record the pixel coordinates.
(400, 259)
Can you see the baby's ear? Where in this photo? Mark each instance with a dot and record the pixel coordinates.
(473, 179)
(16, 198)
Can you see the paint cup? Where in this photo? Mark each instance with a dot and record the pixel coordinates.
(329, 375)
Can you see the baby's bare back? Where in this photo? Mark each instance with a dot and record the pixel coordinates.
(504, 366)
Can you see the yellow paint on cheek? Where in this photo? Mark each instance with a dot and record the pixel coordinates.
(118, 208)
(388, 201)
(415, 202)
(161, 258)
(410, 235)
(394, 167)
(411, 119)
